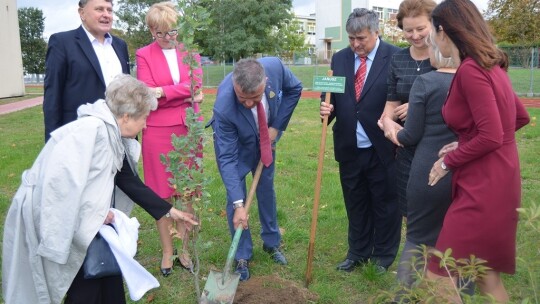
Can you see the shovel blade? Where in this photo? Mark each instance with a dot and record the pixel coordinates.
(220, 290)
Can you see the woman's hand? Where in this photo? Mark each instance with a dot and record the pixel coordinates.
(448, 148)
(188, 218)
(390, 129)
(437, 172)
(401, 111)
(109, 218)
(197, 99)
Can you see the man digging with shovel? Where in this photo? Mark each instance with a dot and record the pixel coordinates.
(253, 107)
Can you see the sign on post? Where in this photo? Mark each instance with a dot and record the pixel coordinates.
(332, 84)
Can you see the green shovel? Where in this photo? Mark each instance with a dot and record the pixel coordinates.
(221, 287)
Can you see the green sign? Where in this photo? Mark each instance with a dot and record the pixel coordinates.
(332, 84)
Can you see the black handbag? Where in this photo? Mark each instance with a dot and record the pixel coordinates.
(100, 261)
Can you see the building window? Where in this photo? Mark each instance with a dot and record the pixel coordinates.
(391, 13)
(380, 12)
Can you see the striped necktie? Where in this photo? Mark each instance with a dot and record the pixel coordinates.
(360, 77)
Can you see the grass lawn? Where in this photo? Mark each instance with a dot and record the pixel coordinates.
(521, 78)
(297, 154)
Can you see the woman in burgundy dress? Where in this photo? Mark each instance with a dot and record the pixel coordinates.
(484, 112)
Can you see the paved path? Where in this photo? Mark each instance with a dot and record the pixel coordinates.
(28, 103)
(20, 105)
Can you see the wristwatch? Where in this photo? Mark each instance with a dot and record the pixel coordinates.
(158, 92)
(168, 214)
(443, 166)
(238, 205)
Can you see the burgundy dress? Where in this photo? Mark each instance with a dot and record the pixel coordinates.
(484, 112)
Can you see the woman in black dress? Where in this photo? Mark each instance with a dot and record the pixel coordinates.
(414, 19)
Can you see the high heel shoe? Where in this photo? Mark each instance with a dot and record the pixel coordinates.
(167, 271)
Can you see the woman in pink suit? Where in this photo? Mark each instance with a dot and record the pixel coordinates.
(160, 65)
(484, 112)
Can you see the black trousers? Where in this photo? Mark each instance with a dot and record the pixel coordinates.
(109, 290)
(372, 209)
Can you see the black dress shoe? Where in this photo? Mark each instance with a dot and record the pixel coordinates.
(349, 265)
(276, 255)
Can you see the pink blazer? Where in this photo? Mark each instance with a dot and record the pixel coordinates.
(152, 69)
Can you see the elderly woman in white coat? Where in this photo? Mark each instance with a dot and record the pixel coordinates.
(65, 198)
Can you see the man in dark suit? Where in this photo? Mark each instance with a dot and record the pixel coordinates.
(253, 83)
(80, 63)
(365, 157)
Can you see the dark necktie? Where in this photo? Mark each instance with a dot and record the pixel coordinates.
(360, 77)
(264, 137)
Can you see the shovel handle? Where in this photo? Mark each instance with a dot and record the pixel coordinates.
(254, 184)
(238, 231)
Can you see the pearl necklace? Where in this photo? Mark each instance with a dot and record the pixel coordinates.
(418, 65)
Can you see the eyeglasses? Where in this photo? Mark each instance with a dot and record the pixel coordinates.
(171, 33)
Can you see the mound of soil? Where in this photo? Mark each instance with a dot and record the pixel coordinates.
(272, 290)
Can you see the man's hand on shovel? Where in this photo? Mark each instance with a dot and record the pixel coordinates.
(240, 218)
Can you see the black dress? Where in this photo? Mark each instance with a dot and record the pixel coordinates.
(403, 71)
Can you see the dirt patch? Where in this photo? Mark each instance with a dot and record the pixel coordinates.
(272, 290)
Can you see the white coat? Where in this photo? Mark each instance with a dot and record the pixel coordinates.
(60, 206)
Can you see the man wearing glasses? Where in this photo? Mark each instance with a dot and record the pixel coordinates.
(81, 63)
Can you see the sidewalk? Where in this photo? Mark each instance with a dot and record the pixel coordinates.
(28, 103)
(20, 105)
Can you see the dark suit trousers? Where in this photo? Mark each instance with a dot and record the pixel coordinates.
(109, 290)
(372, 209)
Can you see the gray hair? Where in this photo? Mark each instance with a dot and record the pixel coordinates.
(127, 95)
(360, 19)
(248, 74)
(440, 60)
(82, 3)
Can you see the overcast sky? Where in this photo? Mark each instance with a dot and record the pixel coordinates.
(61, 15)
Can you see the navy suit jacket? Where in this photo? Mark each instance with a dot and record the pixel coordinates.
(372, 101)
(73, 76)
(236, 138)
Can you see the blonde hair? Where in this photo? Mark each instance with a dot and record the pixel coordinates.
(162, 16)
(440, 60)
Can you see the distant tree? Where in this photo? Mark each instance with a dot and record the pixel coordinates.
(289, 39)
(33, 46)
(515, 21)
(130, 19)
(242, 28)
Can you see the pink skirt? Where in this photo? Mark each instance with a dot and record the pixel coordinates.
(156, 140)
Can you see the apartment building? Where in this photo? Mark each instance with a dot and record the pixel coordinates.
(331, 35)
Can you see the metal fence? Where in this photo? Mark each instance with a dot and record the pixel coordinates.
(524, 70)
